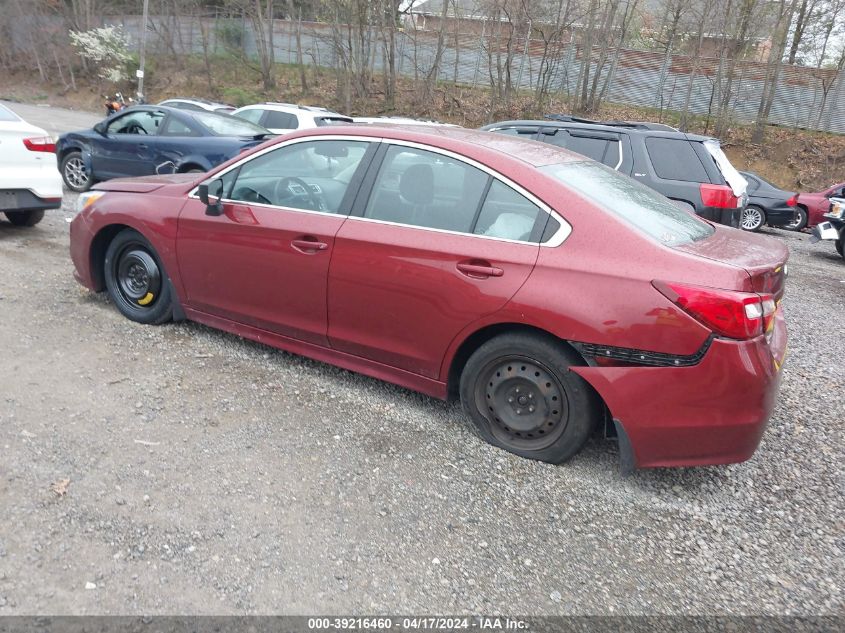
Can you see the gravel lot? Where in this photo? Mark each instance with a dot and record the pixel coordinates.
(212, 475)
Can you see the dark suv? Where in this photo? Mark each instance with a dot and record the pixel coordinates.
(689, 169)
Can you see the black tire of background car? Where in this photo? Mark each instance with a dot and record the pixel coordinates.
(79, 188)
(759, 218)
(130, 251)
(840, 244)
(25, 218)
(568, 408)
(800, 223)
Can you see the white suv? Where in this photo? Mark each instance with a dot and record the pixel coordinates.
(281, 118)
(29, 179)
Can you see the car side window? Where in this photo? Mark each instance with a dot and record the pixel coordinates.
(426, 189)
(312, 175)
(603, 149)
(174, 127)
(522, 132)
(253, 116)
(506, 214)
(675, 159)
(280, 120)
(753, 183)
(143, 122)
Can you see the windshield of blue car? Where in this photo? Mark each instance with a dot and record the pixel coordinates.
(225, 125)
(627, 199)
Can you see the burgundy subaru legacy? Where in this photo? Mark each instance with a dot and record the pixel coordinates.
(546, 291)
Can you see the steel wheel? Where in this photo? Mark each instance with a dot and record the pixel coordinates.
(525, 402)
(752, 218)
(138, 277)
(136, 280)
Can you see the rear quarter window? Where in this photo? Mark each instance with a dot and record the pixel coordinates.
(675, 159)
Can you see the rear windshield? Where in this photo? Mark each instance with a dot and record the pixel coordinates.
(8, 115)
(225, 125)
(619, 195)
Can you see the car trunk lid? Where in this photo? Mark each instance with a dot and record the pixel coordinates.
(763, 258)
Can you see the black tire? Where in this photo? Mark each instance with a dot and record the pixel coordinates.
(840, 244)
(25, 218)
(74, 173)
(136, 280)
(752, 218)
(194, 171)
(521, 396)
(800, 223)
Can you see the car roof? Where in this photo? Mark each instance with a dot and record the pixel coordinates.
(199, 101)
(457, 139)
(628, 127)
(293, 107)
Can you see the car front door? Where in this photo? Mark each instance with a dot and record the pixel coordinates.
(436, 245)
(129, 145)
(264, 262)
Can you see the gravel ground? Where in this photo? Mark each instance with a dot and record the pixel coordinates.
(212, 475)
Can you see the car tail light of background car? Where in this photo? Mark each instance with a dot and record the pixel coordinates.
(40, 144)
(719, 196)
(793, 201)
(737, 315)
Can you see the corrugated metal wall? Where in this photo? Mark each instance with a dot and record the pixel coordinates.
(805, 97)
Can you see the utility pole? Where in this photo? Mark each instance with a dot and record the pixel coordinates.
(143, 51)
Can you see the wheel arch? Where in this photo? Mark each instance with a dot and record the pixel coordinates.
(480, 336)
(97, 252)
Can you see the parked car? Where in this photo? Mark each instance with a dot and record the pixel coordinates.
(689, 169)
(767, 204)
(813, 205)
(833, 226)
(281, 118)
(202, 105)
(144, 140)
(397, 120)
(29, 182)
(546, 291)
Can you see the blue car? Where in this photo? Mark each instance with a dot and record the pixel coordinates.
(145, 140)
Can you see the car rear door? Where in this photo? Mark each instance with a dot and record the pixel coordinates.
(434, 243)
(264, 262)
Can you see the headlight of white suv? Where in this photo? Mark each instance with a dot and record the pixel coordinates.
(86, 199)
(837, 209)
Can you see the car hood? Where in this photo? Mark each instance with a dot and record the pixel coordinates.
(763, 258)
(144, 184)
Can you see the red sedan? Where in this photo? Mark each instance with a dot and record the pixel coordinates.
(813, 206)
(546, 291)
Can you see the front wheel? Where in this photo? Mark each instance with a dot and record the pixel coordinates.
(75, 173)
(25, 218)
(752, 218)
(135, 279)
(522, 397)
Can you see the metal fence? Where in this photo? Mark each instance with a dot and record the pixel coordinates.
(804, 97)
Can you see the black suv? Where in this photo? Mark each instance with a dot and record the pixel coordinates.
(689, 169)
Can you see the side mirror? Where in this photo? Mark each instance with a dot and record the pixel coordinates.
(100, 128)
(210, 193)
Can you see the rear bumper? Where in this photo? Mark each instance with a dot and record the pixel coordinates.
(780, 216)
(714, 412)
(728, 217)
(26, 200)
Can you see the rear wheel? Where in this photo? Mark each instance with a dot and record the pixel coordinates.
(75, 173)
(25, 218)
(522, 397)
(753, 217)
(800, 220)
(840, 244)
(135, 279)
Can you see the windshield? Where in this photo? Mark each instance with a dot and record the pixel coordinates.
(225, 125)
(737, 183)
(644, 208)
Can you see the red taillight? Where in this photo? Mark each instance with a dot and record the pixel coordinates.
(739, 315)
(793, 201)
(40, 144)
(718, 196)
